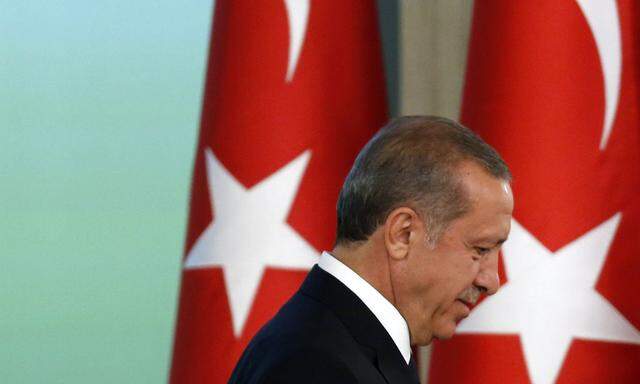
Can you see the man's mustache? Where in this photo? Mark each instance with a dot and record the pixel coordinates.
(470, 295)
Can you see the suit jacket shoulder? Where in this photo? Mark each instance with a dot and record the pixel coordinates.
(324, 334)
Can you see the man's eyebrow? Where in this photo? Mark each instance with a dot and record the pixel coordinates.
(487, 239)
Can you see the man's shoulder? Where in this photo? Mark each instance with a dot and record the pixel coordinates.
(303, 316)
(304, 363)
(304, 340)
(301, 324)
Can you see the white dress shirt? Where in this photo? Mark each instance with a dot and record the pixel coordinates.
(384, 311)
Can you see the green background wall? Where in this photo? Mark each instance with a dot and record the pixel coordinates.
(99, 109)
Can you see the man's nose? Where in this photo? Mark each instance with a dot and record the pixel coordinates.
(487, 279)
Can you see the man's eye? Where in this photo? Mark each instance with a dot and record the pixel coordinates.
(482, 251)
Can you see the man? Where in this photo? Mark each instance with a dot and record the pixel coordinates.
(421, 218)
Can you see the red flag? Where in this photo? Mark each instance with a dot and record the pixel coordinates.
(553, 85)
(294, 89)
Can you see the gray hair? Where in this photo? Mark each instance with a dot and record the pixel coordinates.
(410, 162)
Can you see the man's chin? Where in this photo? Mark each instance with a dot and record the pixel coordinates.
(425, 339)
(446, 333)
(443, 337)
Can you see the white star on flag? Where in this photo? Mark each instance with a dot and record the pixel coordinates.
(249, 232)
(550, 298)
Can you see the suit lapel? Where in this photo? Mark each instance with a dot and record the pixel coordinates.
(361, 323)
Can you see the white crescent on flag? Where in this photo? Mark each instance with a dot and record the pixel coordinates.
(298, 16)
(603, 20)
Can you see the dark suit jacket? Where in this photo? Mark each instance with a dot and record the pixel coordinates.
(323, 334)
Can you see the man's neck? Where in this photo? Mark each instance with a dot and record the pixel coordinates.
(370, 262)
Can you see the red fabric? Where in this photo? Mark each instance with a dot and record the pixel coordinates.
(255, 122)
(535, 91)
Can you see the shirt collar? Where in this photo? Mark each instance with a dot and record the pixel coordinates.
(384, 311)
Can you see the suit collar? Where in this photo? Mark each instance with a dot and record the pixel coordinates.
(361, 323)
(384, 311)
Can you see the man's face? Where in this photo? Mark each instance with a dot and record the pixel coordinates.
(439, 283)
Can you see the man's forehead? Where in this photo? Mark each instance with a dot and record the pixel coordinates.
(480, 186)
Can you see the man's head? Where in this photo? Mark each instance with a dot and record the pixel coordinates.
(435, 199)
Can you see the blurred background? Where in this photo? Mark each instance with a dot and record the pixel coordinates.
(99, 114)
(100, 108)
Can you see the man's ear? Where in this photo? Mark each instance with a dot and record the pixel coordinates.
(399, 231)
